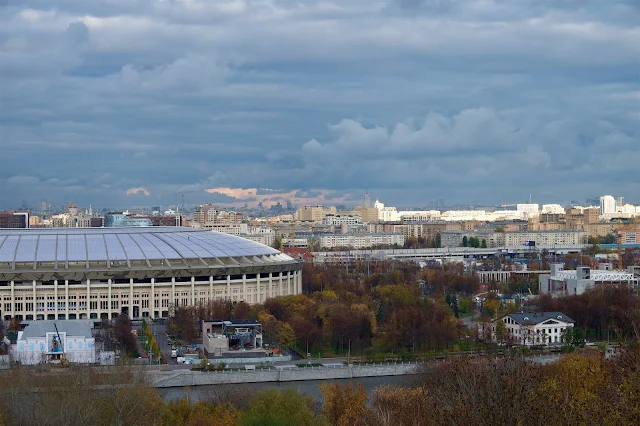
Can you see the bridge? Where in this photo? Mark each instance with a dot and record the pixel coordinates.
(445, 253)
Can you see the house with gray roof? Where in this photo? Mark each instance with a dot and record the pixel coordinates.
(41, 342)
(532, 328)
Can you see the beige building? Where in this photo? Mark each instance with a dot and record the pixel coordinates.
(368, 214)
(314, 213)
(208, 215)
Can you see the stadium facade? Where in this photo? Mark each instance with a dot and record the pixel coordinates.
(92, 273)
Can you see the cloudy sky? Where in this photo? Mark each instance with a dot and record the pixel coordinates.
(125, 102)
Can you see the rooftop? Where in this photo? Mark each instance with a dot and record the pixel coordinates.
(532, 318)
(60, 245)
(75, 328)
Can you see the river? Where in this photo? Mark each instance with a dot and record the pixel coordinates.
(306, 387)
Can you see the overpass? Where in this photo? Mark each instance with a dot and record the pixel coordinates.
(445, 253)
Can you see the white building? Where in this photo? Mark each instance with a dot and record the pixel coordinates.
(261, 234)
(545, 238)
(607, 205)
(528, 211)
(39, 342)
(342, 220)
(534, 328)
(361, 240)
(562, 283)
(386, 214)
(552, 209)
(419, 216)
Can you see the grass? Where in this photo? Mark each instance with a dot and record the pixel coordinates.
(462, 315)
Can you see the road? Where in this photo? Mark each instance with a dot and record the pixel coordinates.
(160, 333)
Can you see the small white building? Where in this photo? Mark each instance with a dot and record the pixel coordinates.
(534, 328)
(561, 282)
(39, 342)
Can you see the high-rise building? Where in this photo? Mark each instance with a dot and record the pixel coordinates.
(607, 204)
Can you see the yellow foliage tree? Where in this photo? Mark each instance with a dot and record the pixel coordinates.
(344, 405)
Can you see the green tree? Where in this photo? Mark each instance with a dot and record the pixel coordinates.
(438, 240)
(484, 243)
(501, 331)
(465, 241)
(280, 408)
(578, 337)
(277, 243)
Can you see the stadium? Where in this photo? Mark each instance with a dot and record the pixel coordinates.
(99, 273)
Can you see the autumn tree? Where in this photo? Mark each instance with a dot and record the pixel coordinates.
(344, 404)
(280, 408)
(501, 331)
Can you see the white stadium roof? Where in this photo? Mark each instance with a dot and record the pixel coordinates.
(60, 245)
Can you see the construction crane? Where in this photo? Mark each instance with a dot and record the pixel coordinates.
(63, 358)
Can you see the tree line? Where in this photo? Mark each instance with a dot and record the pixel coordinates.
(385, 311)
(584, 387)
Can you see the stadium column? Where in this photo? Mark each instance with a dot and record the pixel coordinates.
(270, 284)
(259, 300)
(13, 299)
(55, 294)
(109, 314)
(152, 306)
(88, 303)
(280, 285)
(66, 298)
(173, 293)
(211, 287)
(131, 303)
(35, 301)
(193, 291)
(289, 283)
(299, 276)
(244, 286)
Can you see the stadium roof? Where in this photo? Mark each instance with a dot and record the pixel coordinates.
(63, 245)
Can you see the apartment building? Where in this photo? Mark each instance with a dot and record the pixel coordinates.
(361, 240)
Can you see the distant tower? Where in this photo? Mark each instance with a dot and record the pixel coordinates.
(366, 202)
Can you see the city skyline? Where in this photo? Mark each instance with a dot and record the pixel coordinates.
(120, 103)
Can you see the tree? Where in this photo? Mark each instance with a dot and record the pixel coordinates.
(438, 240)
(275, 408)
(484, 243)
(277, 242)
(501, 331)
(3, 348)
(465, 241)
(344, 405)
(578, 337)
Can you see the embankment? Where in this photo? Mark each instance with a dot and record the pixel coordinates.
(180, 378)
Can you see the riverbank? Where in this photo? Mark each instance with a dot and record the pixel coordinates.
(181, 378)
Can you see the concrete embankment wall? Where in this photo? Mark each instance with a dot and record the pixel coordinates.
(180, 378)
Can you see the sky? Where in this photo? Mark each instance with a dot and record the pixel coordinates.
(127, 102)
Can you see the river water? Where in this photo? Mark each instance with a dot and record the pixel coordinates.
(305, 387)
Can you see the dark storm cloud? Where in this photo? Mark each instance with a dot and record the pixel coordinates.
(413, 99)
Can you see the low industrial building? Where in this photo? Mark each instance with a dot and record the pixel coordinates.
(229, 338)
(533, 328)
(561, 282)
(41, 342)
